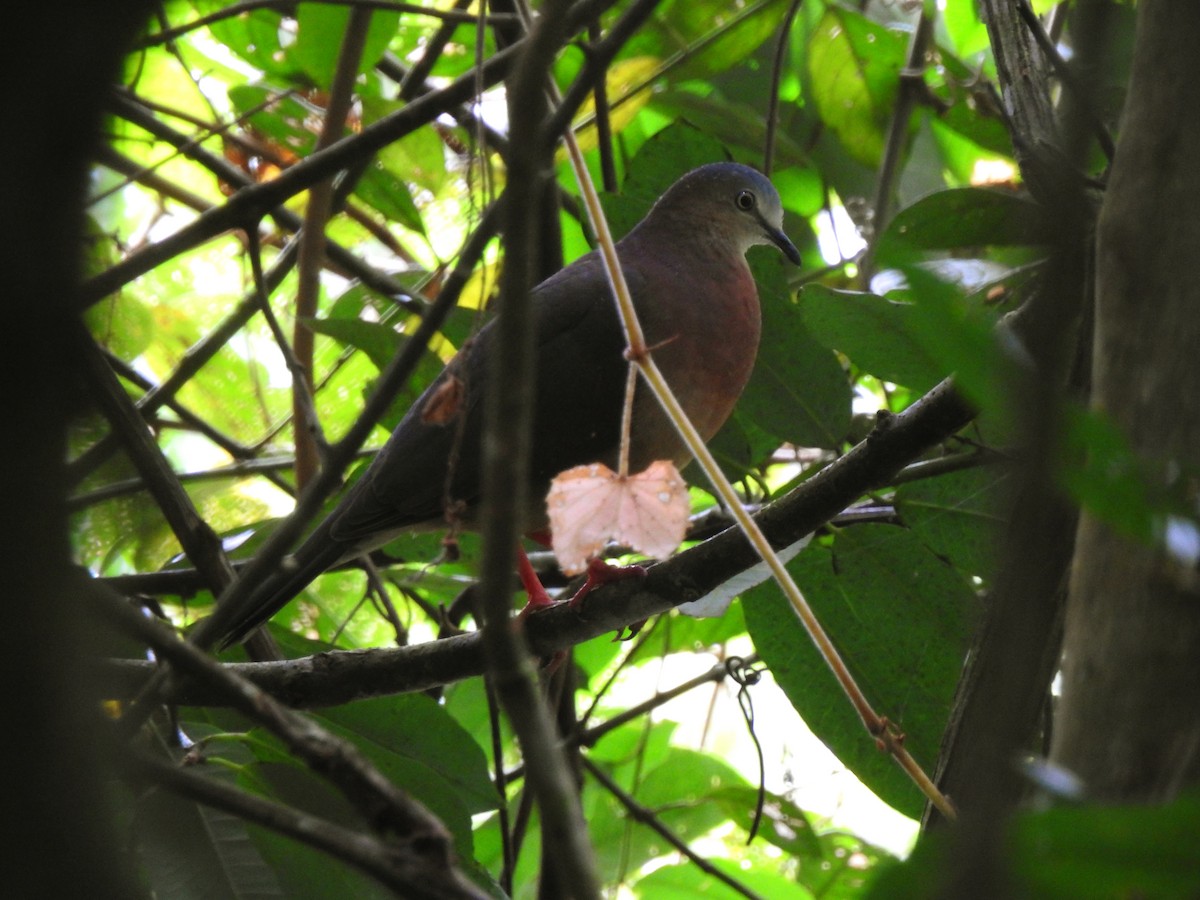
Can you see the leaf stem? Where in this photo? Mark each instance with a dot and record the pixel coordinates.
(886, 736)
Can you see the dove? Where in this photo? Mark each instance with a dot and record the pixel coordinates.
(685, 264)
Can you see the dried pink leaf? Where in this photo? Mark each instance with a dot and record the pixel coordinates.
(592, 505)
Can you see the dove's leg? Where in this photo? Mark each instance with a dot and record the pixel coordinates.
(538, 598)
(599, 573)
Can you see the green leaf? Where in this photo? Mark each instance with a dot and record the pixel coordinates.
(302, 870)
(685, 881)
(419, 157)
(963, 113)
(853, 70)
(900, 618)
(677, 633)
(737, 447)
(1130, 851)
(959, 334)
(1071, 852)
(253, 35)
(320, 31)
(710, 35)
(783, 825)
(658, 164)
(965, 218)
(380, 342)
(411, 737)
(284, 119)
(1101, 471)
(188, 849)
(123, 323)
(799, 391)
(874, 332)
(958, 516)
(680, 789)
(387, 191)
(729, 120)
(854, 867)
(961, 22)
(413, 742)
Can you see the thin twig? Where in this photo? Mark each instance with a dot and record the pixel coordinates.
(785, 30)
(198, 540)
(303, 406)
(608, 167)
(508, 416)
(251, 203)
(342, 453)
(879, 728)
(413, 830)
(1082, 96)
(137, 111)
(308, 437)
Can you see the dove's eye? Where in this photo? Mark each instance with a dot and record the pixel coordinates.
(745, 201)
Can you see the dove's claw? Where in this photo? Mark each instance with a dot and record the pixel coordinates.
(599, 573)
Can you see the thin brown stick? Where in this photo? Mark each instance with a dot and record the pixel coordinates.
(306, 427)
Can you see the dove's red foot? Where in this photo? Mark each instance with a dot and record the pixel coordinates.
(600, 573)
(538, 598)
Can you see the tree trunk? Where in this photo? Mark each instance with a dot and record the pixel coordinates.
(1129, 716)
(59, 60)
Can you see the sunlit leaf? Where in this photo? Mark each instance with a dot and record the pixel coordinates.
(853, 67)
(874, 332)
(628, 87)
(319, 34)
(966, 217)
(900, 618)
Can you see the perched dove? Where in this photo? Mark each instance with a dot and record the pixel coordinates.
(698, 305)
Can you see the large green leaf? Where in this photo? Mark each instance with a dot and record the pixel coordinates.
(729, 120)
(253, 35)
(187, 849)
(1099, 468)
(412, 741)
(320, 30)
(965, 218)
(1073, 852)
(874, 332)
(958, 332)
(685, 881)
(798, 392)
(853, 71)
(411, 736)
(661, 160)
(419, 157)
(1131, 851)
(703, 37)
(380, 342)
(281, 117)
(387, 190)
(958, 516)
(900, 618)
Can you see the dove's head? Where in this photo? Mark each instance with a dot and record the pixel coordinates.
(731, 202)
